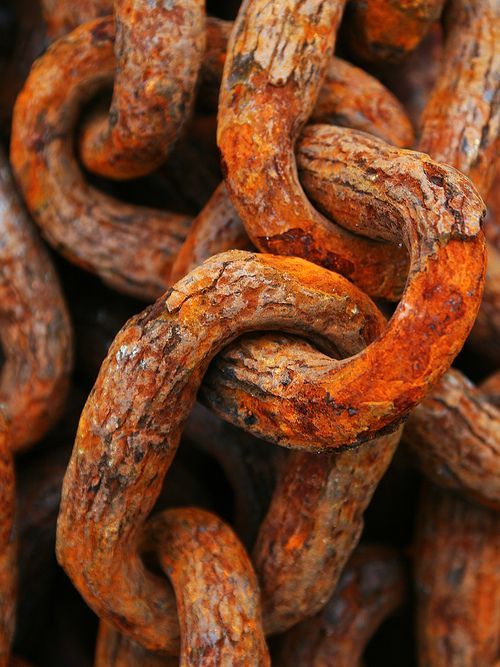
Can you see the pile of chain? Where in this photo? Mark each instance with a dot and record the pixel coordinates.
(226, 373)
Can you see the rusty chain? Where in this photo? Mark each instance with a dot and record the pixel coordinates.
(188, 533)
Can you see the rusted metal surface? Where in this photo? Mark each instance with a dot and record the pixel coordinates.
(370, 184)
(36, 338)
(455, 435)
(215, 587)
(35, 330)
(387, 30)
(63, 16)
(216, 591)
(158, 49)
(314, 520)
(352, 98)
(133, 248)
(313, 524)
(216, 229)
(268, 92)
(146, 388)
(348, 97)
(457, 571)
(460, 126)
(461, 121)
(286, 349)
(372, 586)
(115, 650)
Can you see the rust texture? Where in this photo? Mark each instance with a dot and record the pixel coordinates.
(158, 49)
(455, 435)
(35, 330)
(130, 427)
(217, 596)
(461, 121)
(264, 285)
(130, 247)
(216, 229)
(314, 522)
(348, 97)
(315, 517)
(215, 588)
(369, 187)
(460, 126)
(352, 98)
(62, 16)
(457, 571)
(387, 30)
(277, 57)
(372, 586)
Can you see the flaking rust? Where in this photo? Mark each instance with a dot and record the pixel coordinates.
(136, 250)
(277, 344)
(313, 524)
(461, 124)
(370, 187)
(36, 338)
(132, 248)
(461, 121)
(216, 591)
(277, 57)
(158, 50)
(130, 427)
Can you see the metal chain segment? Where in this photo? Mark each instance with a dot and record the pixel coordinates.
(370, 185)
(130, 427)
(444, 288)
(133, 248)
(158, 49)
(371, 587)
(277, 57)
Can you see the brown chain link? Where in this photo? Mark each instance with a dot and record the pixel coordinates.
(285, 345)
